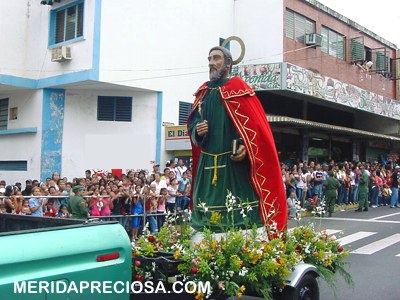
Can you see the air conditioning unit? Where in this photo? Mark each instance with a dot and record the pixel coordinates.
(61, 53)
(313, 39)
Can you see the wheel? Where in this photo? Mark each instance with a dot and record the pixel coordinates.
(307, 289)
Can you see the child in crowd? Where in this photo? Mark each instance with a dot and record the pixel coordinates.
(68, 188)
(184, 189)
(96, 204)
(50, 210)
(312, 203)
(18, 199)
(386, 195)
(107, 205)
(3, 209)
(291, 203)
(25, 210)
(36, 204)
(162, 199)
(150, 204)
(137, 209)
(63, 212)
(172, 195)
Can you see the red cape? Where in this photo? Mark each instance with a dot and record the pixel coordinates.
(252, 126)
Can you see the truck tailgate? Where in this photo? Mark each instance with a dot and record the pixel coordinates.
(70, 254)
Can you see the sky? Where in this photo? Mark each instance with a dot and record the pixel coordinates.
(380, 16)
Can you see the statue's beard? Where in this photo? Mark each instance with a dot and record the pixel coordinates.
(216, 74)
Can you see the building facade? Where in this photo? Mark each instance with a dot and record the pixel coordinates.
(88, 84)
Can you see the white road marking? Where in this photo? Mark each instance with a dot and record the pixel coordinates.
(365, 220)
(332, 231)
(378, 245)
(385, 216)
(354, 237)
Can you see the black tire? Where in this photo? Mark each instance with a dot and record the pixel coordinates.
(307, 289)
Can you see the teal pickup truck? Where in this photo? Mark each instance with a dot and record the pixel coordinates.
(64, 259)
(52, 259)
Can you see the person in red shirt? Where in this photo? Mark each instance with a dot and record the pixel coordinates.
(50, 211)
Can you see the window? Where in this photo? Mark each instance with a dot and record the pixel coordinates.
(13, 113)
(3, 113)
(67, 23)
(114, 109)
(358, 50)
(333, 43)
(297, 26)
(14, 165)
(184, 111)
(380, 59)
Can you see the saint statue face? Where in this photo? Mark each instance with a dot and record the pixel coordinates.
(218, 67)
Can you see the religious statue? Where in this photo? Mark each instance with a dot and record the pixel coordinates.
(233, 152)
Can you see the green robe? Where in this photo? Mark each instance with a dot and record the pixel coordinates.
(231, 176)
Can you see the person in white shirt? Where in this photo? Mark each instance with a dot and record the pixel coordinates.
(159, 184)
(180, 169)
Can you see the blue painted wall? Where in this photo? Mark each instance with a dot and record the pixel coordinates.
(52, 131)
(159, 126)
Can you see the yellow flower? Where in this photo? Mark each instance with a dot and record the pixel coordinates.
(254, 258)
(215, 218)
(177, 254)
(199, 296)
(241, 291)
(214, 244)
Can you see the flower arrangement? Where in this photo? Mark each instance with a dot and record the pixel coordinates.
(319, 249)
(237, 262)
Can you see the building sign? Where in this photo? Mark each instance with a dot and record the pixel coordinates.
(260, 77)
(176, 138)
(268, 77)
(307, 82)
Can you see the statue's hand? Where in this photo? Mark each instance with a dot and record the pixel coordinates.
(241, 154)
(202, 128)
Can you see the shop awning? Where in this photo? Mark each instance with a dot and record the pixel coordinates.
(331, 128)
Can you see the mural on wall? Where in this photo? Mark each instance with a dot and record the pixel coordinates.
(52, 131)
(260, 77)
(307, 82)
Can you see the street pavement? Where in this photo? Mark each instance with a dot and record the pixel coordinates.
(373, 239)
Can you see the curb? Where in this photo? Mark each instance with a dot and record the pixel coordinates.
(337, 208)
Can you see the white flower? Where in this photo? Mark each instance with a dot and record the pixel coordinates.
(203, 206)
(230, 209)
(249, 208)
(243, 271)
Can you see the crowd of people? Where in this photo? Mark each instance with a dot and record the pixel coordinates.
(103, 195)
(155, 193)
(370, 185)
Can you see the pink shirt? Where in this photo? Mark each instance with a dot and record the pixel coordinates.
(106, 211)
(161, 203)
